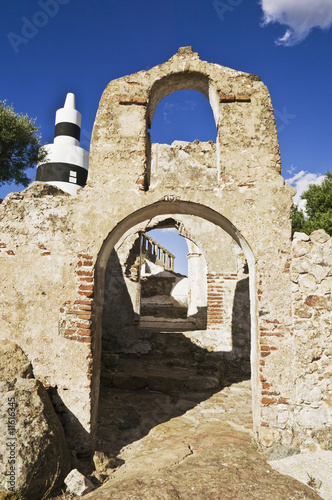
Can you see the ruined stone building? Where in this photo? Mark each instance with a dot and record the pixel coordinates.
(72, 297)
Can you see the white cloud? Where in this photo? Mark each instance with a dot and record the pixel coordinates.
(291, 170)
(301, 16)
(301, 182)
(169, 108)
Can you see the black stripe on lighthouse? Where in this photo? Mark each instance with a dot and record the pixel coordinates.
(68, 129)
(62, 172)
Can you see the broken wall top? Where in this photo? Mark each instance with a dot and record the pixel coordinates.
(120, 156)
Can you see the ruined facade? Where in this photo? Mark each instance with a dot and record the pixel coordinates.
(65, 260)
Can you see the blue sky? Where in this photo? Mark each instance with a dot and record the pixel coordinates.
(51, 47)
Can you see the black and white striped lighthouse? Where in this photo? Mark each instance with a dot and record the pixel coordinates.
(67, 163)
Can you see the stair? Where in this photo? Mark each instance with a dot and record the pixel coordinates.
(173, 366)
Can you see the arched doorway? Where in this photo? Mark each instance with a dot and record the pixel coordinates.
(133, 223)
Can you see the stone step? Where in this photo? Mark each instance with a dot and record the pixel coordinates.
(165, 375)
(168, 383)
(160, 311)
(166, 324)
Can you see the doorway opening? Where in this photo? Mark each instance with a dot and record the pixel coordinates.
(152, 372)
(164, 288)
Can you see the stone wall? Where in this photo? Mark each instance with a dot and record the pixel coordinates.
(312, 309)
(198, 160)
(306, 420)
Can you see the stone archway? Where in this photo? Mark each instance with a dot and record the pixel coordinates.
(168, 208)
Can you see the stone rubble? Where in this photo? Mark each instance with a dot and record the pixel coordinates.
(78, 484)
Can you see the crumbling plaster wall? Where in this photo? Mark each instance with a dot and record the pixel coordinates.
(40, 258)
(248, 199)
(182, 162)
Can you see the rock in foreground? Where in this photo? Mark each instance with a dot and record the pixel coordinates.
(33, 450)
(195, 457)
(13, 362)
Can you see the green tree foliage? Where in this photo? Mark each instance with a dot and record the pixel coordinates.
(318, 208)
(19, 146)
(298, 220)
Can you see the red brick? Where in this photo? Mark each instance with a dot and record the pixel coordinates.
(86, 294)
(83, 302)
(86, 340)
(132, 100)
(84, 256)
(83, 272)
(82, 325)
(269, 401)
(265, 348)
(70, 332)
(283, 401)
(226, 97)
(86, 287)
(84, 333)
(84, 316)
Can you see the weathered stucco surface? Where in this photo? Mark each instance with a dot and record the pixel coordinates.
(55, 248)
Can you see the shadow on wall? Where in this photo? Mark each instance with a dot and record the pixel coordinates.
(71, 425)
(241, 330)
(149, 376)
(119, 318)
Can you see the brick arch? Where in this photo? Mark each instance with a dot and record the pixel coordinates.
(148, 212)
